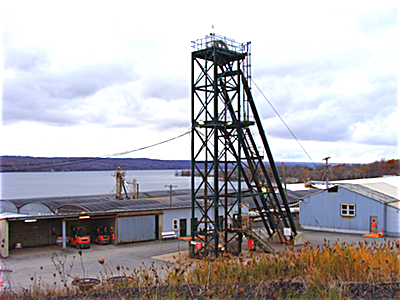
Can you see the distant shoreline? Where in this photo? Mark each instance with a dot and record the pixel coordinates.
(72, 164)
(292, 171)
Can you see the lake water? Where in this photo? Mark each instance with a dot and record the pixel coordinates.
(45, 184)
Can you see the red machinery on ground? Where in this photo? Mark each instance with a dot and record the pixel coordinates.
(79, 238)
(103, 234)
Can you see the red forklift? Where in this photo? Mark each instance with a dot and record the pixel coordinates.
(103, 234)
(79, 238)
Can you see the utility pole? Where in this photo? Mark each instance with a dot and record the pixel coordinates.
(170, 193)
(326, 170)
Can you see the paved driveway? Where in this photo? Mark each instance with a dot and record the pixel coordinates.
(36, 262)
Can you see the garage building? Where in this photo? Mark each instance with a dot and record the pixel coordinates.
(353, 208)
(41, 221)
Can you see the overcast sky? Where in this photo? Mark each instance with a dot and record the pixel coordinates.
(91, 78)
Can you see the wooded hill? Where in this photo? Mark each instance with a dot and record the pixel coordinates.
(66, 164)
(298, 173)
(289, 171)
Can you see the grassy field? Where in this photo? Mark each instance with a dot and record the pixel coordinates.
(365, 270)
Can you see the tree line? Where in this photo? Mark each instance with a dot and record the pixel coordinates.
(67, 164)
(298, 173)
(304, 172)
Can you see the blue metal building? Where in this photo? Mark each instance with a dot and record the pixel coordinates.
(351, 208)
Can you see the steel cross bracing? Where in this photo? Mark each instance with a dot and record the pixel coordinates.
(226, 165)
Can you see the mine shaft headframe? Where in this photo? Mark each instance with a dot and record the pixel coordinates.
(222, 144)
(230, 47)
(227, 52)
(219, 111)
(215, 40)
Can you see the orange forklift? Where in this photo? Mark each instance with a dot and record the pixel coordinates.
(102, 234)
(79, 238)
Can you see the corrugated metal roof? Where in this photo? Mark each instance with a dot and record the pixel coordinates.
(154, 200)
(292, 197)
(370, 193)
(94, 203)
(6, 215)
(384, 188)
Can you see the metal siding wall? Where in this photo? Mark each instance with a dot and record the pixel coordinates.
(317, 211)
(365, 207)
(183, 213)
(323, 210)
(170, 214)
(393, 221)
(135, 229)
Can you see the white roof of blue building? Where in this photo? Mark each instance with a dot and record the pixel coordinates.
(370, 193)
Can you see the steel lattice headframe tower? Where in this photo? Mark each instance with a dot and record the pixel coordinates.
(226, 165)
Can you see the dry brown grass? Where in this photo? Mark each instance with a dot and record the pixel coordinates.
(305, 271)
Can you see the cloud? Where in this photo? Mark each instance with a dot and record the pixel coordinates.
(370, 132)
(377, 21)
(26, 60)
(168, 87)
(126, 106)
(337, 93)
(336, 113)
(41, 93)
(124, 92)
(329, 72)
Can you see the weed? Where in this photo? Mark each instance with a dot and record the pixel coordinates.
(64, 270)
(303, 273)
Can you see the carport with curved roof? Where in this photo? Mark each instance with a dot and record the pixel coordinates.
(35, 208)
(100, 203)
(7, 206)
(46, 219)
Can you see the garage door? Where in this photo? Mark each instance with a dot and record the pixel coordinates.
(136, 229)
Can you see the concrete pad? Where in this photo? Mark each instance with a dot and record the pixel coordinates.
(274, 239)
(299, 239)
(183, 256)
(180, 256)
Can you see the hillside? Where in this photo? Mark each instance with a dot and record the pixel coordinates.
(66, 164)
(289, 171)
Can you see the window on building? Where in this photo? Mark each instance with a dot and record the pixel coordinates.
(348, 210)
